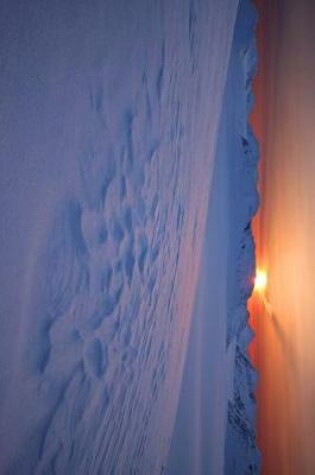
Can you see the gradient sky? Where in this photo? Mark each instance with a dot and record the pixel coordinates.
(284, 121)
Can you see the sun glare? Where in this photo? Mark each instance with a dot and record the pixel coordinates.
(260, 281)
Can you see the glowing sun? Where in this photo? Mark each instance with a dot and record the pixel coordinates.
(260, 281)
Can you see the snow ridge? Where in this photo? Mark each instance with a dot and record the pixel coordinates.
(241, 453)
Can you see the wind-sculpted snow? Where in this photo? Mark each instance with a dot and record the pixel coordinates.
(97, 352)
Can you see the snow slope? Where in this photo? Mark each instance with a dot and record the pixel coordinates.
(199, 434)
(110, 112)
(215, 424)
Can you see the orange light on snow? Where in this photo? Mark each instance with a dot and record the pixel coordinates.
(260, 281)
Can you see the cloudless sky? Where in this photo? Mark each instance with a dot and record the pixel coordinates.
(284, 122)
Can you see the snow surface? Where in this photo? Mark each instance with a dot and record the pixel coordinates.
(109, 118)
(215, 426)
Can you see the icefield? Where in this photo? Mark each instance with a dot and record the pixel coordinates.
(113, 136)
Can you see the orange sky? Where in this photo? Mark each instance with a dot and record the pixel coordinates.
(284, 350)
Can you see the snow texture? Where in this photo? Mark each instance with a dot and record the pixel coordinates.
(110, 112)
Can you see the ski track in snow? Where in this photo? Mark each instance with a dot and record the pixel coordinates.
(97, 372)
